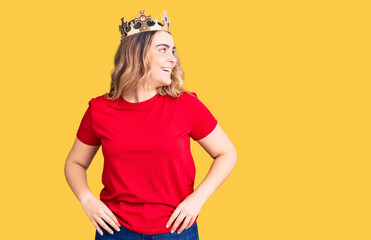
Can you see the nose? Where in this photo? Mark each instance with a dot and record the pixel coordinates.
(173, 59)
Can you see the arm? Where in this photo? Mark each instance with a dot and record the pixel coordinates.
(78, 161)
(221, 149)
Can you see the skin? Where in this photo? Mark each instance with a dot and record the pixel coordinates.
(159, 56)
(217, 144)
(221, 149)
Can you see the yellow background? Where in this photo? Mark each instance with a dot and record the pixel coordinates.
(288, 81)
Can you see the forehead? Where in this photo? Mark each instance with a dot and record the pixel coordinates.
(162, 37)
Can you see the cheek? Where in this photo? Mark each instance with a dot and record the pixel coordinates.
(154, 64)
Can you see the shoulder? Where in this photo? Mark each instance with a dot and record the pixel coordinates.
(101, 99)
(189, 97)
(186, 99)
(101, 103)
(92, 101)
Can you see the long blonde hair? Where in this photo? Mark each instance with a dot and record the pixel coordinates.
(132, 67)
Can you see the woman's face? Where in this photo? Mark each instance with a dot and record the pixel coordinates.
(161, 55)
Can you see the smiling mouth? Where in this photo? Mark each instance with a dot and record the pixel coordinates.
(166, 71)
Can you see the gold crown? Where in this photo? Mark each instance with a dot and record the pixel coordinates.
(142, 24)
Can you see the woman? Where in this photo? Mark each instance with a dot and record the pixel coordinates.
(144, 125)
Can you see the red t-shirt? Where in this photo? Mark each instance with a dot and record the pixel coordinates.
(148, 166)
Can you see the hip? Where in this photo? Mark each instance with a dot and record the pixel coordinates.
(126, 234)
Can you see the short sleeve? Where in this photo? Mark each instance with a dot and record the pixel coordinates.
(85, 132)
(203, 121)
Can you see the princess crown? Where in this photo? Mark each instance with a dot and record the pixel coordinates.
(142, 24)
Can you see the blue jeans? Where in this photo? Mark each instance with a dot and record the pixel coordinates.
(126, 234)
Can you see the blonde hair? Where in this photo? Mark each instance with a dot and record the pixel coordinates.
(132, 68)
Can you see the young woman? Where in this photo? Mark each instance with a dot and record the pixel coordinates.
(144, 125)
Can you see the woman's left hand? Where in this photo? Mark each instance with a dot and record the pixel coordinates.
(188, 210)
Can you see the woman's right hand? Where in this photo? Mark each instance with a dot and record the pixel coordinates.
(97, 211)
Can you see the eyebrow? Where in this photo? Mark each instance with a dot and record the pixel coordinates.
(163, 44)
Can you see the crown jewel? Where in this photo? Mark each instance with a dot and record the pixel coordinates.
(142, 24)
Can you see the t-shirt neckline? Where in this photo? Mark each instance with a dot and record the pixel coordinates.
(141, 104)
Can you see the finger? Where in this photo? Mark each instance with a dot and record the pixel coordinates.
(112, 220)
(172, 217)
(185, 223)
(97, 227)
(191, 222)
(104, 225)
(178, 221)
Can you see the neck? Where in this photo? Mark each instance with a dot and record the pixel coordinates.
(139, 95)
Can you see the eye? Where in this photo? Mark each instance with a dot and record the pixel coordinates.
(165, 49)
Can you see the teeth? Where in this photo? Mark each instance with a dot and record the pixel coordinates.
(166, 69)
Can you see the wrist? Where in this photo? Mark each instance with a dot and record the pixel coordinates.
(202, 195)
(84, 197)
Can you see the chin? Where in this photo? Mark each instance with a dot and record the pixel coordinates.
(166, 82)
